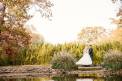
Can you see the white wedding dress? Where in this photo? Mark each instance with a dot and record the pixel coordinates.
(86, 59)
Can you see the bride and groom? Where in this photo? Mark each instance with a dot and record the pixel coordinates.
(87, 58)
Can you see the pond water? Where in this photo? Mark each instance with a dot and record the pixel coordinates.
(62, 78)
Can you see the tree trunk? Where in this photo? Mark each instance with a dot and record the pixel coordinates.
(2, 13)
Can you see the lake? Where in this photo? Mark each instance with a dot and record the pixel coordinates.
(61, 78)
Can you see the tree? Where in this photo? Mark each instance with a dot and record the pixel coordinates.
(117, 35)
(92, 34)
(16, 10)
(13, 36)
(118, 20)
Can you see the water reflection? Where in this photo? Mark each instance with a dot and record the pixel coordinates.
(76, 78)
(64, 78)
(113, 78)
(25, 79)
(85, 79)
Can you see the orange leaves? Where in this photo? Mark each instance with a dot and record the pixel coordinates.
(117, 35)
(13, 38)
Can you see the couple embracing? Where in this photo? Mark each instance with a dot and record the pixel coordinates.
(87, 58)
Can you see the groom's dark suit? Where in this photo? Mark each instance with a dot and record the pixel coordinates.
(91, 53)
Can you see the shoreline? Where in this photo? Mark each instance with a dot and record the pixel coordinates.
(28, 69)
(40, 71)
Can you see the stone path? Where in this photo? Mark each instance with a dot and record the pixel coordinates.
(27, 70)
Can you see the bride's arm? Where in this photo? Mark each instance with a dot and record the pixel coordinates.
(84, 50)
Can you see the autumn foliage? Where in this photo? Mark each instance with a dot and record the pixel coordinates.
(117, 35)
(13, 37)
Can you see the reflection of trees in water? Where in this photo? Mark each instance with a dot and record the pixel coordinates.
(65, 78)
(99, 79)
(74, 77)
(25, 79)
(114, 78)
(90, 79)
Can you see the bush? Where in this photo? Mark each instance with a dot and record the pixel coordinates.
(63, 60)
(73, 48)
(103, 47)
(113, 60)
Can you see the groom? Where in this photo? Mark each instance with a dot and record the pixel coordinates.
(91, 52)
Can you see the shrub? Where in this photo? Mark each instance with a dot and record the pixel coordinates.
(73, 47)
(113, 60)
(103, 47)
(63, 60)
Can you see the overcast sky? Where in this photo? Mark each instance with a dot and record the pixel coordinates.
(70, 16)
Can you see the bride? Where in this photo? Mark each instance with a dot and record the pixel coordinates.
(86, 59)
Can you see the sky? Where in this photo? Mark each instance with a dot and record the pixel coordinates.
(70, 16)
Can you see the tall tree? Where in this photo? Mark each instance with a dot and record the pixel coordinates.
(117, 33)
(118, 20)
(13, 36)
